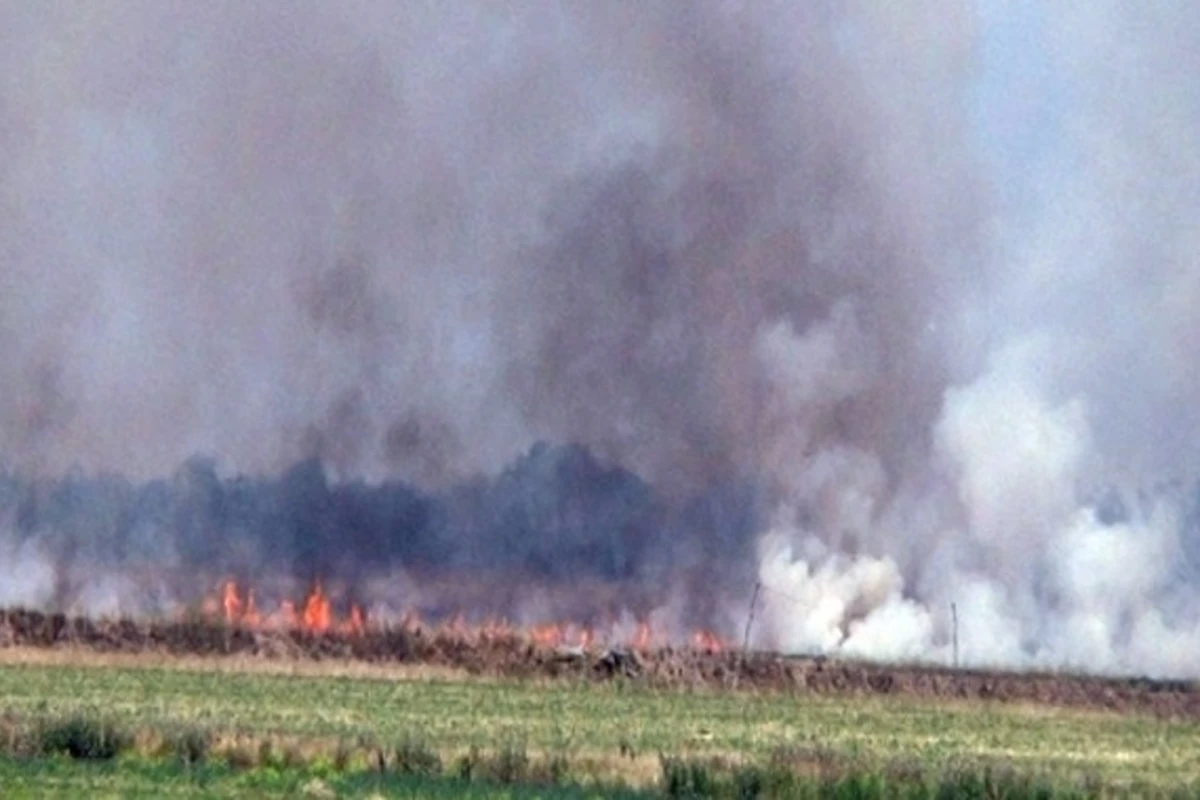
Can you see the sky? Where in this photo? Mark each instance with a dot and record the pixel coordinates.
(1019, 101)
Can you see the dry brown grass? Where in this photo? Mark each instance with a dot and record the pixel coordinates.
(242, 664)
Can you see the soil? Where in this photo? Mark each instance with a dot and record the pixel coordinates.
(514, 656)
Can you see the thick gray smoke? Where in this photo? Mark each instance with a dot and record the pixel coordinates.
(718, 244)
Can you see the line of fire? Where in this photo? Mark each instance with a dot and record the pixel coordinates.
(315, 613)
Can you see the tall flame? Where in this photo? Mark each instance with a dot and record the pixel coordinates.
(240, 608)
(231, 602)
(642, 640)
(317, 614)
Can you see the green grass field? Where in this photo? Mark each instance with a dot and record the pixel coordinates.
(607, 734)
(133, 777)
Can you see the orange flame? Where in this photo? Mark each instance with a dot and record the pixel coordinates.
(315, 615)
(642, 640)
(231, 602)
(562, 634)
(707, 641)
(251, 617)
(548, 635)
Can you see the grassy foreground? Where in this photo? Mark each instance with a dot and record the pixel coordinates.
(330, 731)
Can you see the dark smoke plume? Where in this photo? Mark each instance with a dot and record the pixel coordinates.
(555, 518)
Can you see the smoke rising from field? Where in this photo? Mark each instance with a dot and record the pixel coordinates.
(745, 261)
(1057, 507)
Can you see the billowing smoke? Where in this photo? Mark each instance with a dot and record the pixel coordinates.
(769, 276)
(1055, 507)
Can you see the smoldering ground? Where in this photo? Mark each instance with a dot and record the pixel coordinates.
(750, 256)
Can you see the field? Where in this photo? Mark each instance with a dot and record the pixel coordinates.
(344, 728)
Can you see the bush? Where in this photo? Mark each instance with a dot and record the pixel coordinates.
(997, 783)
(749, 783)
(510, 765)
(266, 754)
(468, 765)
(764, 781)
(18, 739)
(554, 771)
(684, 778)
(240, 756)
(342, 756)
(859, 786)
(293, 758)
(82, 738)
(414, 757)
(191, 746)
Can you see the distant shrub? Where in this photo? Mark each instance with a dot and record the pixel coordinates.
(990, 783)
(240, 756)
(83, 738)
(509, 765)
(342, 756)
(415, 757)
(17, 739)
(763, 781)
(293, 758)
(687, 778)
(551, 772)
(191, 746)
(266, 754)
(749, 782)
(859, 786)
(468, 766)
(826, 762)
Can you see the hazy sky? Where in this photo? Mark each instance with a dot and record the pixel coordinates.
(1019, 102)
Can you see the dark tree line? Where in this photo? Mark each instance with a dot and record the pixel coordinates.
(556, 513)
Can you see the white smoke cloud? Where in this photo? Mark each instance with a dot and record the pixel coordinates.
(1053, 506)
(1037, 576)
(827, 602)
(26, 573)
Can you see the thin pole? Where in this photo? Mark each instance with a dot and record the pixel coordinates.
(746, 636)
(954, 635)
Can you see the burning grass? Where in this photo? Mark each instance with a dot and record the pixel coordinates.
(317, 613)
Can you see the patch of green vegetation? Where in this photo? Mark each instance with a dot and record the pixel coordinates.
(133, 776)
(136, 777)
(231, 727)
(684, 778)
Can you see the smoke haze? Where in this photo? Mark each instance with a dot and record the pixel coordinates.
(791, 296)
